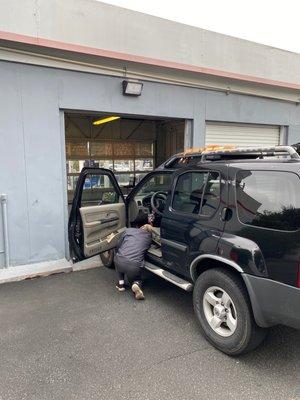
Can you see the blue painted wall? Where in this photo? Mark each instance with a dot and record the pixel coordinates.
(32, 153)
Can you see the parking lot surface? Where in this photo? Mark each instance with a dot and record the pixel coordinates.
(72, 336)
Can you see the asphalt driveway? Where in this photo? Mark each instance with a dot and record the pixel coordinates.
(73, 336)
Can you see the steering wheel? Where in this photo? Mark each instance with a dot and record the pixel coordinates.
(158, 200)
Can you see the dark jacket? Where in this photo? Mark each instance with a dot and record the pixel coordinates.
(133, 244)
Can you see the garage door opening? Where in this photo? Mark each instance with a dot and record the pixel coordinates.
(129, 146)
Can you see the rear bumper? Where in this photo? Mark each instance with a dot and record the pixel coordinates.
(273, 302)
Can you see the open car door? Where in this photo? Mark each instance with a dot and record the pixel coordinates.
(98, 215)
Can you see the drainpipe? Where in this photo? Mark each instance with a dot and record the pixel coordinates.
(3, 198)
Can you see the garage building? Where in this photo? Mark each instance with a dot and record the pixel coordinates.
(86, 83)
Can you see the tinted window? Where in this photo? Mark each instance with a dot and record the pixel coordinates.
(269, 199)
(211, 197)
(157, 182)
(197, 192)
(97, 190)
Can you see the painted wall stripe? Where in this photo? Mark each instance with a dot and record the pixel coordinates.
(53, 44)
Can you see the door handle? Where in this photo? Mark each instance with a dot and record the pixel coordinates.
(225, 214)
(107, 220)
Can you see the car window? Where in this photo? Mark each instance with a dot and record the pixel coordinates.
(197, 193)
(98, 190)
(211, 199)
(180, 162)
(157, 182)
(268, 199)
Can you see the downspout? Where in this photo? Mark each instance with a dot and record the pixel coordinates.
(3, 198)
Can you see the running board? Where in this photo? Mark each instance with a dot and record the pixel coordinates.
(168, 276)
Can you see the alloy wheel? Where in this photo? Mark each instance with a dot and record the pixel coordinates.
(220, 311)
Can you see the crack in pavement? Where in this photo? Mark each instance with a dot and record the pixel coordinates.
(140, 373)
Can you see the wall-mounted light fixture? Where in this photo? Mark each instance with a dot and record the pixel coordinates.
(132, 88)
(105, 120)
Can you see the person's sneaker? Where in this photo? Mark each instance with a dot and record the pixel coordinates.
(138, 293)
(120, 287)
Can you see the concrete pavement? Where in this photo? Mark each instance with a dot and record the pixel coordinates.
(72, 336)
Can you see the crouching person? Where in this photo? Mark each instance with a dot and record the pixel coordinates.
(129, 258)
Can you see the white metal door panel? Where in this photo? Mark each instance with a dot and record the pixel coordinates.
(242, 135)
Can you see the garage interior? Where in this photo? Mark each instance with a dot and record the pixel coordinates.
(129, 146)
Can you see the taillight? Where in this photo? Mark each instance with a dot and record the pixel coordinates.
(298, 278)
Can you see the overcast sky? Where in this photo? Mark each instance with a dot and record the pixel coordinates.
(272, 22)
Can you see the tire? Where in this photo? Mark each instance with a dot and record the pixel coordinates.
(107, 258)
(238, 333)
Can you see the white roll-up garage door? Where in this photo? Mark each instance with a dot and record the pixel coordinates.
(242, 135)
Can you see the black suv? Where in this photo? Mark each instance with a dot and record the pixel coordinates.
(229, 228)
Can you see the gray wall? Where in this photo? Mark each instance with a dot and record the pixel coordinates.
(32, 169)
(126, 31)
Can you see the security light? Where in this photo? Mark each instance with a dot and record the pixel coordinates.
(132, 88)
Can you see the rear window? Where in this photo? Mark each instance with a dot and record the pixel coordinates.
(268, 199)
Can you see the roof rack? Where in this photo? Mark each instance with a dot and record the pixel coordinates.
(192, 153)
(260, 152)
